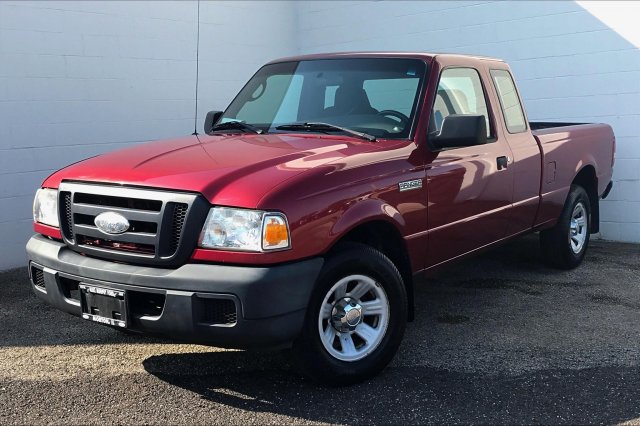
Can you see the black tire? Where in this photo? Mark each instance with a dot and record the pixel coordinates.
(313, 358)
(555, 243)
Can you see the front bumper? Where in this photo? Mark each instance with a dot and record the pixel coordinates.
(269, 302)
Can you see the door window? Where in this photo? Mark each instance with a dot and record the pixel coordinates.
(459, 92)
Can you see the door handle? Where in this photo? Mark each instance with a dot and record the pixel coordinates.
(503, 162)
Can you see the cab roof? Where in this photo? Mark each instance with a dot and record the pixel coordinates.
(427, 57)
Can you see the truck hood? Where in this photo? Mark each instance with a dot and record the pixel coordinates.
(236, 170)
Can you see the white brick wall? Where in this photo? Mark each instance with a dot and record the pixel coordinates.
(81, 78)
(237, 38)
(568, 64)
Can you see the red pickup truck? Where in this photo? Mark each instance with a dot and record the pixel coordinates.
(304, 211)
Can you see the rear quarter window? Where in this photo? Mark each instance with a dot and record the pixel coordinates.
(509, 101)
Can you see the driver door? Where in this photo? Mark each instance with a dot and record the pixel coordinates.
(469, 194)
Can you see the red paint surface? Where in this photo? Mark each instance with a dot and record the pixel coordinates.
(47, 230)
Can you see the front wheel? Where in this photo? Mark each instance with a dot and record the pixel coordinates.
(356, 317)
(565, 245)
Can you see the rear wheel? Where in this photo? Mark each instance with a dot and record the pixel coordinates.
(565, 245)
(356, 317)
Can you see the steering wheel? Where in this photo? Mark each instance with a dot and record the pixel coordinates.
(404, 120)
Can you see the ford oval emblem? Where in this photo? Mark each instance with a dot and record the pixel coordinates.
(111, 223)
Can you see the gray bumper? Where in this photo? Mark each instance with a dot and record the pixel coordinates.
(270, 302)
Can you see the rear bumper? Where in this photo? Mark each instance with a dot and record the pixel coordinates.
(270, 302)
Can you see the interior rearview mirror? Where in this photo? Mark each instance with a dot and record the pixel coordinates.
(211, 119)
(459, 130)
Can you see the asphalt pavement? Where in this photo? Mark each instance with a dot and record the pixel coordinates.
(498, 339)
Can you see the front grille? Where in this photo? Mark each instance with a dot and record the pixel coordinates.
(157, 222)
(218, 311)
(118, 202)
(101, 243)
(37, 277)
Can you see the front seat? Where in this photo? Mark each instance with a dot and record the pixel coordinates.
(350, 100)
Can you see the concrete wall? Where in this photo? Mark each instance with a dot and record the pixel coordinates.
(81, 78)
(569, 64)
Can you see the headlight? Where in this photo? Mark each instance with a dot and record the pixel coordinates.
(244, 230)
(45, 207)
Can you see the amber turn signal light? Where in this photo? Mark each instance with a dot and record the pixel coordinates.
(275, 233)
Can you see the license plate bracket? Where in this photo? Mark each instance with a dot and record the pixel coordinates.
(103, 305)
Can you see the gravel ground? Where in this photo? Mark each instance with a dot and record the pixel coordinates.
(497, 339)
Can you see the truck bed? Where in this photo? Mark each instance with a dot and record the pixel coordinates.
(541, 125)
(566, 148)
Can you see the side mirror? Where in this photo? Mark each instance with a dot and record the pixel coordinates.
(459, 130)
(211, 119)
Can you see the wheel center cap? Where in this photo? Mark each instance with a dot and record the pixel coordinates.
(346, 315)
(352, 317)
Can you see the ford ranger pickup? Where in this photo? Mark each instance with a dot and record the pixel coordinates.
(304, 211)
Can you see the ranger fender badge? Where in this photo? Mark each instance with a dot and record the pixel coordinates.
(410, 184)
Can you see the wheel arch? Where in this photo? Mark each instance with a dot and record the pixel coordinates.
(384, 235)
(587, 179)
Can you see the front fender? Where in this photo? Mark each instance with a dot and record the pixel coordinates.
(367, 210)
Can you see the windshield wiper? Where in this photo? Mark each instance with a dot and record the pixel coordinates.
(237, 125)
(326, 127)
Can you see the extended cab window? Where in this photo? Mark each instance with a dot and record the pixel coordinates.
(509, 101)
(459, 92)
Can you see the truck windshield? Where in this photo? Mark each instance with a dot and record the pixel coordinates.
(378, 97)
